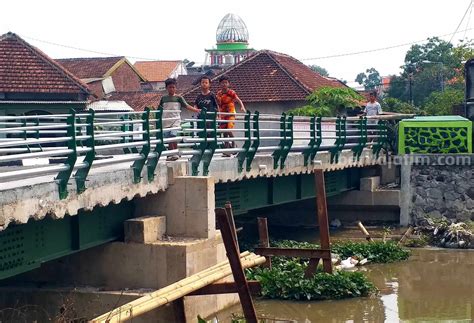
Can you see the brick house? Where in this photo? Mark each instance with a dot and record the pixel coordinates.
(33, 83)
(113, 79)
(105, 75)
(156, 72)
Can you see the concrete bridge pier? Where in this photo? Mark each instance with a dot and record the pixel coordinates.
(172, 236)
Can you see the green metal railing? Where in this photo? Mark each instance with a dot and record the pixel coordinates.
(79, 142)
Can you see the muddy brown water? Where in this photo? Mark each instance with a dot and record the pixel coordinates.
(435, 285)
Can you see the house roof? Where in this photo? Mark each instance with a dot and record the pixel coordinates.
(137, 100)
(93, 68)
(156, 71)
(270, 76)
(24, 68)
(185, 82)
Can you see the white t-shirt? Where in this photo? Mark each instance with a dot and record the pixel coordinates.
(373, 109)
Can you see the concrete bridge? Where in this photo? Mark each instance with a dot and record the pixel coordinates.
(104, 170)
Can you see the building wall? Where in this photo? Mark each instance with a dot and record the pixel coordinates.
(125, 79)
(439, 186)
(96, 88)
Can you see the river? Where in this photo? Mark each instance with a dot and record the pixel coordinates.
(435, 285)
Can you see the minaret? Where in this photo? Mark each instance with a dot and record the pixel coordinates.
(231, 42)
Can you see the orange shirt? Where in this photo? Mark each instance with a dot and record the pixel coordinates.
(226, 101)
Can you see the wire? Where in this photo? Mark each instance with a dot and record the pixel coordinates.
(378, 49)
(468, 21)
(462, 19)
(304, 59)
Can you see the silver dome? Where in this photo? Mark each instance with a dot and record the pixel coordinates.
(232, 29)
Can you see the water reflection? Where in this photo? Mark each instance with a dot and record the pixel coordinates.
(434, 285)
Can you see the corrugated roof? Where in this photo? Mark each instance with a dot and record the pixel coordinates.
(105, 106)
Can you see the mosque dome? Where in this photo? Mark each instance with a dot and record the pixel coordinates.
(232, 29)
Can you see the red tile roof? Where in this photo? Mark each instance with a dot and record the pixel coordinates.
(186, 82)
(89, 67)
(24, 68)
(270, 76)
(156, 71)
(138, 100)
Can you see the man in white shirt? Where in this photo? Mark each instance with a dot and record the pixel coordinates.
(372, 108)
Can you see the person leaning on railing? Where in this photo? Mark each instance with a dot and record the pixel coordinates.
(226, 98)
(172, 105)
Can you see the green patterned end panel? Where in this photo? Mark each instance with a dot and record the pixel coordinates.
(432, 140)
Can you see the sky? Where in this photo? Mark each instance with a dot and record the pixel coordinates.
(183, 29)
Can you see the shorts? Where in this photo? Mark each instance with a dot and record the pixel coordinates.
(170, 133)
(229, 124)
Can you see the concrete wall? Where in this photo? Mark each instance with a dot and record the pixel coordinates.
(438, 186)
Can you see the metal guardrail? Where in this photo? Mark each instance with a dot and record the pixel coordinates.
(80, 141)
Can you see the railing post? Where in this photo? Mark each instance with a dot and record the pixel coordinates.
(201, 124)
(288, 141)
(138, 164)
(256, 143)
(81, 174)
(246, 146)
(357, 151)
(277, 153)
(381, 138)
(335, 149)
(159, 147)
(64, 176)
(210, 145)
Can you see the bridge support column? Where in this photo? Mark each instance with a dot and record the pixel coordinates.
(188, 205)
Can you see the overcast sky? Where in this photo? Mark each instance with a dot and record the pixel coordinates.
(183, 29)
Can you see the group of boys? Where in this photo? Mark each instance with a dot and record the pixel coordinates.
(222, 103)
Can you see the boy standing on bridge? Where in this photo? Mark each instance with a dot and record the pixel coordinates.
(172, 105)
(226, 98)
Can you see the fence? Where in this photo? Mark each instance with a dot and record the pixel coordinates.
(76, 142)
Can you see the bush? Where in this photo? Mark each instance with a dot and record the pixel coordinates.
(286, 281)
(378, 252)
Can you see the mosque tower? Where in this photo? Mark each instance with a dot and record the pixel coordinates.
(231, 42)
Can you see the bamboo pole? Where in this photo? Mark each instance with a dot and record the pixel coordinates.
(174, 291)
(364, 231)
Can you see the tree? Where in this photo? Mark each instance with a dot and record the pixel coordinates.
(398, 106)
(328, 101)
(430, 67)
(370, 80)
(318, 69)
(441, 103)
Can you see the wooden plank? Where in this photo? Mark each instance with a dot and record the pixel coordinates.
(323, 221)
(230, 217)
(289, 252)
(230, 243)
(312, 267)
(264, 241)
(227, 288)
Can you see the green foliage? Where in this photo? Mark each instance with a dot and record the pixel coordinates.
(370, 80)
(430, 67)
(320, 70)
(398, 106)
(376, 252)
(286, 281)
(328, 101)
(311, 111)
(441, 103)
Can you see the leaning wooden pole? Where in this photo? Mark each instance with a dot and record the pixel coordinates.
(263, 238)
(230, 243)
(322, 216)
